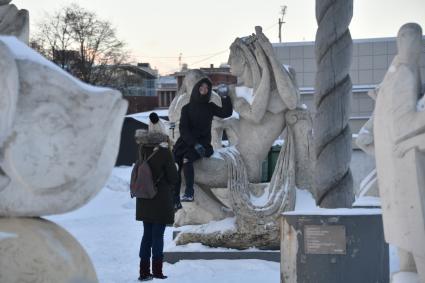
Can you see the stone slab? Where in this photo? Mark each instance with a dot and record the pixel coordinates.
(173, 257)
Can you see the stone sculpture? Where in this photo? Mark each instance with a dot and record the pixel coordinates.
(58, 143)
(56, 126)
(399, 133)
(365, 141)
(37, 250)
(13, 21)
(267, 102)
(333, 183)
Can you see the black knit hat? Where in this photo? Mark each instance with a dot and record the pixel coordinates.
(154, 118)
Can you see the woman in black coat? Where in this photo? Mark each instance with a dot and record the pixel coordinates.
(158, 212)
(195, 132)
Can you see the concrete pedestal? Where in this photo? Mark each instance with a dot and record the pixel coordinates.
(334, 246)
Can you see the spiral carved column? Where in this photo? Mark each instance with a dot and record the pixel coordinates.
(333, 184)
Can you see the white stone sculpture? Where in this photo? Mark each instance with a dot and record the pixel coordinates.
(365, 141)
(14, 21)
(399, 133)
(266, 100)
(37, 250)
(58, 138)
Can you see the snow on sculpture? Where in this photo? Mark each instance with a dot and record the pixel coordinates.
(399, 134)
(266, 100)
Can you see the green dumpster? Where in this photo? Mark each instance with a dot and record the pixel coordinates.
(272, 160)
(264, 170)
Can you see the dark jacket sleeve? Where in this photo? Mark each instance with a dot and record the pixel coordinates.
(225, 111)
(185, 129)
(170, 169)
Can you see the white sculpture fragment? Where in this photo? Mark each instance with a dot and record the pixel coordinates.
(37, 250)
(59, 137)
(399, 132)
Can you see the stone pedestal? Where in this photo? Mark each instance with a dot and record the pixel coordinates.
(175, 256)
(38, 250)
(333, 246)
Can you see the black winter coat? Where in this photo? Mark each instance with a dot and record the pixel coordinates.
(196, 120)
(160, 209)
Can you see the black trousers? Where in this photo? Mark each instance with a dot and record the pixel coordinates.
(185, 163)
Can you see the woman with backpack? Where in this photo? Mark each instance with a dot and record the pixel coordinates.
(158, 211)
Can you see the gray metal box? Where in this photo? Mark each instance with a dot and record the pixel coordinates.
(334, 248)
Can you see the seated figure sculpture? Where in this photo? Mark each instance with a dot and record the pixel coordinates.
(399, 134)
(273, 92)
(266, 102)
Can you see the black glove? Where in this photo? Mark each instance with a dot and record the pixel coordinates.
(223, 90)
(200, 149)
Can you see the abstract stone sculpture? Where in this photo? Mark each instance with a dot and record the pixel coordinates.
(37, 250)
(13, 21)
(399, 133)
(59, 137)
(333, 183)
(58, 143)
(267, 101)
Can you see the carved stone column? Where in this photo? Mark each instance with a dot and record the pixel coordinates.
(333, 184)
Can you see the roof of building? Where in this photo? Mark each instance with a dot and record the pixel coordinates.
(142, 70)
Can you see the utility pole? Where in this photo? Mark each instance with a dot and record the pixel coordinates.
(180, 61)
(283, 12)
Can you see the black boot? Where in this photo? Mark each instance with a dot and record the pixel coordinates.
(157, 269)
(145, 273)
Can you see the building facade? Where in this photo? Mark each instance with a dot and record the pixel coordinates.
(166, 90)
(220, 75)
(371, 59)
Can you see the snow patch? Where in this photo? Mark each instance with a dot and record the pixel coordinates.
(120, 179)
(368, 201)
(405, 277)
(306, 205)
(4, 235)
(245, 92)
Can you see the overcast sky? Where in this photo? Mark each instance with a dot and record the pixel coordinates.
(157, 31)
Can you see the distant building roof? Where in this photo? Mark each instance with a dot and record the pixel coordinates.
(143, 70)
(167, 82)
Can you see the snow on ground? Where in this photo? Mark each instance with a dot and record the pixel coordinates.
(107, 229)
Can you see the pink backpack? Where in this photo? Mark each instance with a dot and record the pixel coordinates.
(142, 184)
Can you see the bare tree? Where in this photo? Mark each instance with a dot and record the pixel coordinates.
(81, 43)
